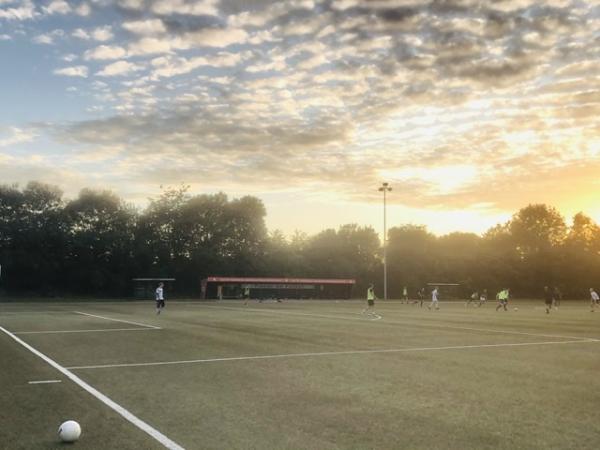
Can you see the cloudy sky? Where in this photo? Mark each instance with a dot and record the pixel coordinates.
(470, 109)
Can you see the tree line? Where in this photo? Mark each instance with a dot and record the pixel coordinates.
(95, 244)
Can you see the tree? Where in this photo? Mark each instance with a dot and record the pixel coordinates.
(584, 234)
(537, 228)
(499, 260)
(190, 237)
(157, 241)
(581, 256)
(350, 252)
(537, 231)
(412, 258)
(33, 236)
(101, 237)
(458, 255)
(246, 234)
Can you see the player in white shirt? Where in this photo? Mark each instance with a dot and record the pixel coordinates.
(483, 297)
(595, 299)
(160, 299)
(474, 297)
(434, 299)
(405, 295)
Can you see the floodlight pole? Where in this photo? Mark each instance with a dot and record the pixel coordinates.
(385, 188)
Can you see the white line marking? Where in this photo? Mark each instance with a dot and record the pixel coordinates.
(488, 330)
(515, 332)
(164, 440)
(347, 352)
(18, 313)
(45, 382)
(413, 324)
(87, 331)
(117, 320)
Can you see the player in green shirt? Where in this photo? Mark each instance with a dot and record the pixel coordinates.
(370, 309)
(503, 297)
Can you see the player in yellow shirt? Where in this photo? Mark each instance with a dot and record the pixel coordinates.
(370, 309)
(502, 298)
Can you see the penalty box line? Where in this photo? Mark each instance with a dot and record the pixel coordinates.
(98, 330)
(143, 327)
(139, 423)
(22, 313)
(338, 353)
(118, 320)
(397, 322)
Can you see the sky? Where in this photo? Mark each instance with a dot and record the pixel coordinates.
(469, 109)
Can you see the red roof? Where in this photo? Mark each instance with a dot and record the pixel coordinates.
(281, 280)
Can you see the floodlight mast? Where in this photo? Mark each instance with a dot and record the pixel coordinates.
(385, 188)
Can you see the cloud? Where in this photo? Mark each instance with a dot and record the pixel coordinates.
(22, 10)
(57, 7)
(119, 68)
(148, 27)
(13, 135)
(73, 71)
(215, 37)
(452, 100)
(169, 66)
(131, 4)
(104, 52)
(48, 38)
(151, 45)
(83, 10)
(100, 34)
(23, 168)
(81, 34)
(271, 11)
(43, 39)
(185, 7)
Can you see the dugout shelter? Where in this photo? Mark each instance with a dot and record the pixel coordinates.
(277, 288)
(144, 288)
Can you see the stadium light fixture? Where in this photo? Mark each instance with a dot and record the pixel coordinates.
(385, 188)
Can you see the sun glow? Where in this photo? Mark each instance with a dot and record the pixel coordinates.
(442, 179)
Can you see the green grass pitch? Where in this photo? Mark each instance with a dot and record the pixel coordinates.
(303, 375)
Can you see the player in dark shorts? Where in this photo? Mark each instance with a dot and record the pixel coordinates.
(557, 294)
(594, 299)
(482, 297)
(502, 298)
(405, 295)
(370, 309)
(160, 299)
(421, 294)
(474, 297)
(548, 299)
(246, 295)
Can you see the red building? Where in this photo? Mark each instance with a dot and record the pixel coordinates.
(277, 288)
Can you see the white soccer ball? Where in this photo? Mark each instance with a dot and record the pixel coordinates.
(69, 431)
(516, 309)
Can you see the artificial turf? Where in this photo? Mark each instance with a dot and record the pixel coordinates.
(304, 375)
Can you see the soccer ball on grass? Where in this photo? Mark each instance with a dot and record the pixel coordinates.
(69, 431)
